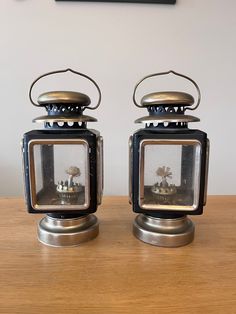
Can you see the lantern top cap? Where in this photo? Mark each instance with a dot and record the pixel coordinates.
(174, 99)
(65, 106)
(167, 98)
(64, 97)
(68, 98)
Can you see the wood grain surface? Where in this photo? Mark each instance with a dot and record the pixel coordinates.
(116, 273)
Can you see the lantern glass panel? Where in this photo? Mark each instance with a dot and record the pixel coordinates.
(170, 174)
(59, 175)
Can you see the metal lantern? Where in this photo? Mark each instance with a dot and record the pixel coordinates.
(63, 167)
(168, 167)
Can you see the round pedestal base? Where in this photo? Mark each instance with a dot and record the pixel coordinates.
(164, 232)
(67, 232)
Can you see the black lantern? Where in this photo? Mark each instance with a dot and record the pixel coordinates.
(63, 167)
(168, 168)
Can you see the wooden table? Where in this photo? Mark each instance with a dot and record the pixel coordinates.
(116, 273)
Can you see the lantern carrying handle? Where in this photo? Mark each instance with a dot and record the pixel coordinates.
(63, 71)
(165, 73)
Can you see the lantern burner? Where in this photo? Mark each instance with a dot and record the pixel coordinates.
(164, 188)
(69, 190)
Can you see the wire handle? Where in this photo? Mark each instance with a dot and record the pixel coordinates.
(63, 71)
(165, 73)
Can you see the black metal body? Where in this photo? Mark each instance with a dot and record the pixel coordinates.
(166, 133)
(90, 136)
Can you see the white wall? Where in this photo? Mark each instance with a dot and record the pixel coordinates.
(117, 44)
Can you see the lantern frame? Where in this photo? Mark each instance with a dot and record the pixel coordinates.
(136, 163)
(93, 144)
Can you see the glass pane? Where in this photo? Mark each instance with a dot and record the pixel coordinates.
(61, 174)
(170, 176)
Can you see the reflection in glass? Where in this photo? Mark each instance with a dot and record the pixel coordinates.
(60, 174)
(171, 175)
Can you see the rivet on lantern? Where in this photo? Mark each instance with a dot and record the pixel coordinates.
(168, 167)
(63, 167)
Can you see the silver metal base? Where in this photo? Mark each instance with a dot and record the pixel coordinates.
(67, 232)
(164, 232)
